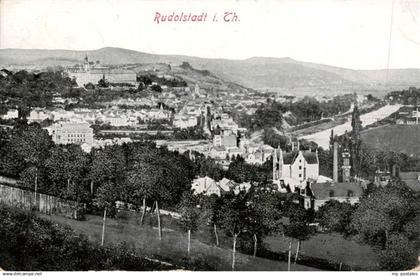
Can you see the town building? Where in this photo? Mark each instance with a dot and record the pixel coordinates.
(320, 193)
(38, 115)
(208, 186)
(11, 114)
(184, 121)
(227, 141)
(158, 114)
(382, 178)
(205, 185)
(315, 194)
(294, 169)
(92, 73)
(412, 179)
(71, 133)
(221, 123)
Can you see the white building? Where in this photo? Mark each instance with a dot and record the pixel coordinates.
(11, 114)
(294, 169)
(38, 115)
(208, 186)
(205, 185)
(117, 120)
(71, 133)
(184, 121)
(158, 114)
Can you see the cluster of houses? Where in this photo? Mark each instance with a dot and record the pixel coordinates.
(208, 186)
(112, 116)
(79, 133)
(297, 171)
(411, 117)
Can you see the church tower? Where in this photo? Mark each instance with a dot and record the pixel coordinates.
(346, 166)
(86, 64)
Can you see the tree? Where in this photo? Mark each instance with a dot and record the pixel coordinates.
(67, 167)
(300, 231)
(385, 220)
(190, 214)
(105, 198)
(156, 88)
(107, 164)
(299, 221)
(32, 144)
(141, 182)
(141, 87)
(265, 215)
(355, 145)
(232, 217)
(208, 215)
(103, 82)
(400, 254)
(335, 216)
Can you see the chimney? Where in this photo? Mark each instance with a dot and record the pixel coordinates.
(335, 162)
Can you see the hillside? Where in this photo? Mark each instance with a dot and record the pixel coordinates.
(398, 138)
(274, 74)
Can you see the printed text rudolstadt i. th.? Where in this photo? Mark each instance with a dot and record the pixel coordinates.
(175, 17)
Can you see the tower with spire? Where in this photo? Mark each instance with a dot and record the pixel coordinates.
(86, 63)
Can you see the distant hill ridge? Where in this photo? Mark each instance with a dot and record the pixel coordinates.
(255, 72)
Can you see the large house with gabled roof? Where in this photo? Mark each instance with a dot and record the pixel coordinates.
(294, 169)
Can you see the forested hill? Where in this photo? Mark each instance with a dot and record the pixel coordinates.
(276, 74)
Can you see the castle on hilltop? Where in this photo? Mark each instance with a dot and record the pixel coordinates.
(92, 72)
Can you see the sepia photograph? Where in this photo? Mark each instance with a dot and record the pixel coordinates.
(209, 135)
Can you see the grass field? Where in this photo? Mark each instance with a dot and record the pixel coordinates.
(398, 138)
(332, 247)
(173, 245)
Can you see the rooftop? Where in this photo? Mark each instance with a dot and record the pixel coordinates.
(338, 189)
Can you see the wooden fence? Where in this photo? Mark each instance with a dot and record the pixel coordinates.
(47, 204)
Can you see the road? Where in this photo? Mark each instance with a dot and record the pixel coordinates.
(322, 138)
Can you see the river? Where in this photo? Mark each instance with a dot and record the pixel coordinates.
(322, 138)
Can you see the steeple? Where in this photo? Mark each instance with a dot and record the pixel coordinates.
(346, 166)
(86, 63)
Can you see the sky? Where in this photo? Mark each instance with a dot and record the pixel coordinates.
(357, 34)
